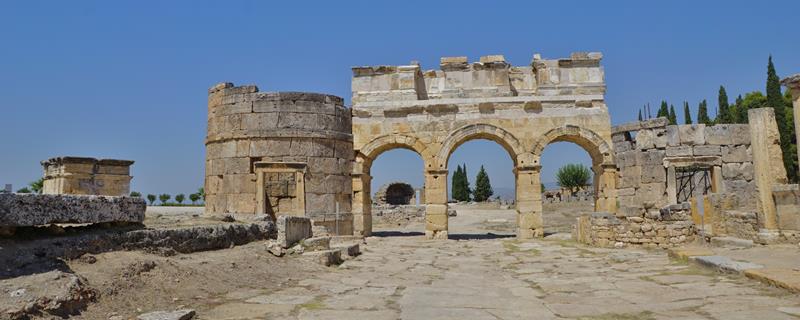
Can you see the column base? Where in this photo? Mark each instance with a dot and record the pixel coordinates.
(436, 235)
(524, 233)
(362, 225)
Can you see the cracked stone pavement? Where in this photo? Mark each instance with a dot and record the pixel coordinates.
(404, 276)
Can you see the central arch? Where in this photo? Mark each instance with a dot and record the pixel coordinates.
(479, 131)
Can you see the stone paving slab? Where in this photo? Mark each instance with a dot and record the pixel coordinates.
(725, 264)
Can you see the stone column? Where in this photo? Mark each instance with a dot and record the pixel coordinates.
(605, 192)
(362, 204)
(793, 84)
(529, 202)
(436, 204)
(765, 141)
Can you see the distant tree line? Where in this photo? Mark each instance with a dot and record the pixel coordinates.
(736, 112)
(461, 190)
(179, 198)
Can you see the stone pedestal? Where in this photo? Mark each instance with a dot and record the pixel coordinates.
(436, 200)
(529, 202)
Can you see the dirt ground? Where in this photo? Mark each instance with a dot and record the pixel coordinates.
(130, 283)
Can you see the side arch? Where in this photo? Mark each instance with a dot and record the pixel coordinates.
(597, 147)
(374, 148)
(480, 131)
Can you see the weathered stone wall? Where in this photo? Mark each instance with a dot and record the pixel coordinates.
(739, 224)
(664, 228)
(649, 153)
(522, 108)
(390, 214)
(23, 210)
(395, 193)
(86, 176)
(288, 135)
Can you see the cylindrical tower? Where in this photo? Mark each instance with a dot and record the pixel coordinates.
(279, 153)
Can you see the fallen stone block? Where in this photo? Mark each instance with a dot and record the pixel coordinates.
(25, 210)
(292, 229)
(48, 294)
(325, 257)
(183, 314)
(349, 251)
(731, 242)
(316, 244)
(725, 264)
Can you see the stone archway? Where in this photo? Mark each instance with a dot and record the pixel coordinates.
(522, 108)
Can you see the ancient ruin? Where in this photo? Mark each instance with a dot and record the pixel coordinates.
(88, 176)
(396, 193)
(279, 153)
(522, 108)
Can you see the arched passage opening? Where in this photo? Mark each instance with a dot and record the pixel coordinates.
(482, 215)
(384, 160)
(563, 200)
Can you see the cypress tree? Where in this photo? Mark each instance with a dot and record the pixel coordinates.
(687, 116)
(465, 183)
(723, 116)
(663, 111)
(673, 118)
(483, 188)
(702, 113)
(640, 114)
(456, 184)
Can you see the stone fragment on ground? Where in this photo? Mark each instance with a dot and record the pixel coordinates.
(325, 257)
(725, 264)
(53, 293)
(182, 314)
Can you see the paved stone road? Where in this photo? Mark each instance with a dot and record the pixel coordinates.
(407, 277)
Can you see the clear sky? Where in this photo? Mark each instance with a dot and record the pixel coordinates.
(128, 79)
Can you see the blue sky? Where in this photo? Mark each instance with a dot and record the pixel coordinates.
(128, 79)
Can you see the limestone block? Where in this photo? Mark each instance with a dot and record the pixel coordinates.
(707, 150)
(738, 153)
(737, 171)
(673, 136)
(723, 134)
(627, 158)
(292, 229)
(653, 173)
(259, 121)
(679, 151)
(20, 210)
(645, 139)
(630, 177)
(622, 146)
(692, 134)
(653, 193)
(651, 157)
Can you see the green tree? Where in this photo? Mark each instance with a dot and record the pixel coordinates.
(573, 176)
(164, 198)
(640, 114)
(483, 188)
(687, 115)
(194, 197)
(202, 193)
(723, 115)
(136, 194)
(179, 198)
(151, 198)
(37, 186)
(673, 118)
(24, 190)
(702, 113)
(663, 111)
(456, 184)
(460, 184)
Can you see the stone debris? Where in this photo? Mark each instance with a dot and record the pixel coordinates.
(325, 257)
(293, 229)
(349, 251)
(23, 210)
(52, 293)
(316, 243)
(182, 314)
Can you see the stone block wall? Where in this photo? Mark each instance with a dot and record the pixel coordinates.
(649, 155)
(668, 227)
(86, 176)
(281, 136)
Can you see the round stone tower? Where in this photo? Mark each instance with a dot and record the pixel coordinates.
(279, 153)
